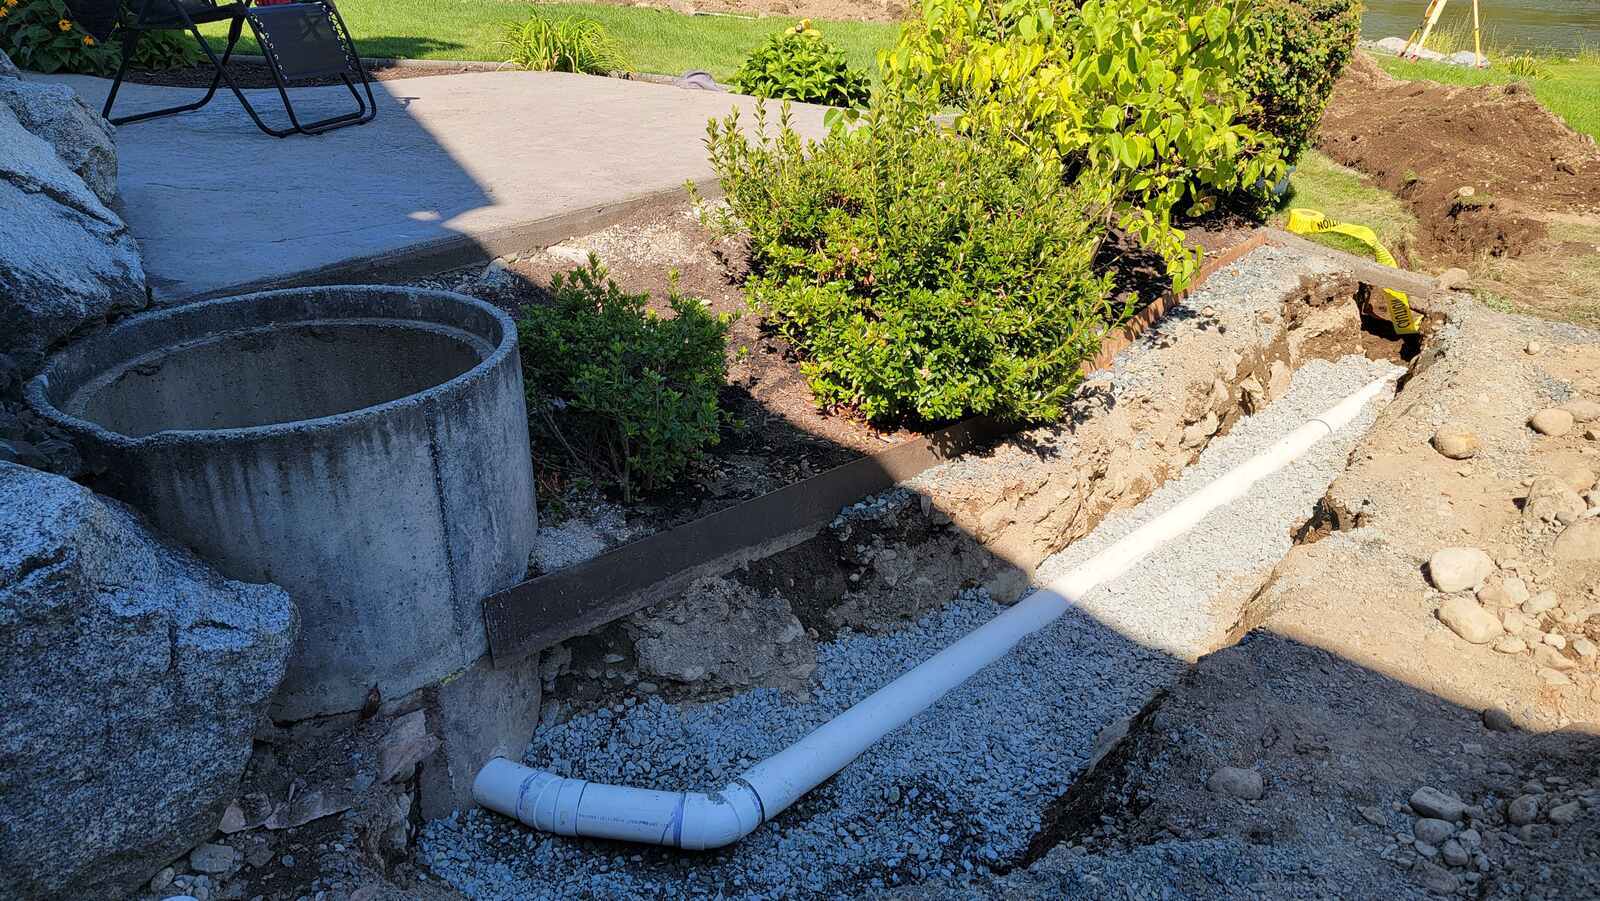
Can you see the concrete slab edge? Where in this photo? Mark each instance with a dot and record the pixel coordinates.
(452, 252)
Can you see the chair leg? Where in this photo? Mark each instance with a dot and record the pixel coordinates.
(130, 43)
(365, 111)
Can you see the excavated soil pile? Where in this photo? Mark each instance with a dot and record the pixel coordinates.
(1426, 142)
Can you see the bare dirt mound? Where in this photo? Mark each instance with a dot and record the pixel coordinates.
(1426, 142)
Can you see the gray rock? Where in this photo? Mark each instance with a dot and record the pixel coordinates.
(1437, 878)
(1454, 854)
(1565, 814)
(1237, 782)
(1551, 500)
(1510, 644)
(83, 140)
(1468, 619)
(1459, 568)
(1454, 279)
(1540, 604)
(134, 680)
(1546, 656)
(1553, 421)
(1432, 830)
(1431, 802)
(79, 262)
(1466, 58)
(725, 635)
(1456, 441)
(1583, 409)
(8, 69)
(1523, 810)
(164, 878)
(1579, 542)
(213, 859)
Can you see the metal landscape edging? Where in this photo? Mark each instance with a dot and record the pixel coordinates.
(577, 599)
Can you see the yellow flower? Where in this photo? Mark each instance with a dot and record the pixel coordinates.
(4, 11)
(64, 24)
(88, 41)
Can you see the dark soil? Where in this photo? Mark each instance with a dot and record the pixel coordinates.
(777, 435)
(257, 75)
(1425, 142)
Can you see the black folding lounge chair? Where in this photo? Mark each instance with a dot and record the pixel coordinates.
(300, 40)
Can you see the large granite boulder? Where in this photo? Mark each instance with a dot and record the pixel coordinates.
(81, 138)
(65, 258)
(134, 679)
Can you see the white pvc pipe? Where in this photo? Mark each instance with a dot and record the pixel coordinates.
(698, 820)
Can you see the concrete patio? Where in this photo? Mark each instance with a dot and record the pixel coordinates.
(455, 168)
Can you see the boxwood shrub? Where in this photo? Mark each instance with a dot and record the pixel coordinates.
(628, 396)
(1302, 48)
(922, 276)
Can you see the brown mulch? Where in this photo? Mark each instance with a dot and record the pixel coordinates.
(1424, 142)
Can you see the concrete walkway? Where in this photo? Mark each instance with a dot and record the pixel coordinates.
(455, 168)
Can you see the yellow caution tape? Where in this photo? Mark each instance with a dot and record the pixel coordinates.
(1310, 222)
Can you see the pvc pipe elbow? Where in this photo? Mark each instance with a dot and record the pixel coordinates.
(576, 807)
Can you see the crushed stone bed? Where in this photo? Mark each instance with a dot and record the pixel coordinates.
(959, 790)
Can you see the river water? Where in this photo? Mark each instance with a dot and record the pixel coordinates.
(1544, 25)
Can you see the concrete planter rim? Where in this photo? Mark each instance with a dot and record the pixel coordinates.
(37, 391)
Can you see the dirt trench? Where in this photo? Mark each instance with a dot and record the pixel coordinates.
(1348, 697)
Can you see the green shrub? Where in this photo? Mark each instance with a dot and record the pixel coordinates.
(572, 44)
(41, 35)
(1303, 46)
(160, 50)
(629, 396)
(31, 33)
(797, 64)
(1144, 95)
(921, 275)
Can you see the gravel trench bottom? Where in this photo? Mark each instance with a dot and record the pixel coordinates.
(960, 789)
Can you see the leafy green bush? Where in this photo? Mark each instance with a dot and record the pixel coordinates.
(160, 50)
(629, 396)
(1302, 48)
(41, 35)
(1144, 94)
(920, 274)
(572, 44)
(797, 64)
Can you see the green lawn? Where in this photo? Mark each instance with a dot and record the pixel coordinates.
(1571, 89)
(1345, 195)
(654, 40)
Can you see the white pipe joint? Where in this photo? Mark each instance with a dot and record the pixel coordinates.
(550, 803)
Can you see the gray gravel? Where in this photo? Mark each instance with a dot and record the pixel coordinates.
(1184, 599)
(958, 790)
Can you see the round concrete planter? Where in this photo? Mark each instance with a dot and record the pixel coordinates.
(366, 448)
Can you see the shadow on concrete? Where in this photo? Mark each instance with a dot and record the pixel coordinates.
(456, 168)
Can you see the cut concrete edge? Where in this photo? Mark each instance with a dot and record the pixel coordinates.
(539, 612)
(1368, 272)
(470, 65)
(455, 251)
